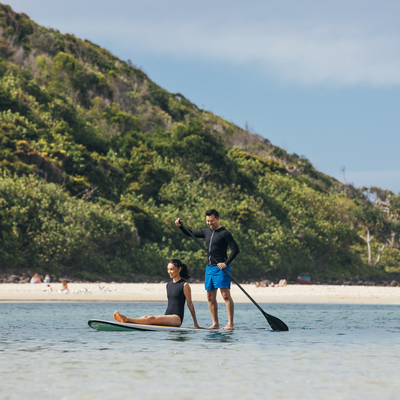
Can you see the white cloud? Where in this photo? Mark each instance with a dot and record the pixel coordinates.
(339, 42)
(311, 47)
(310, 56)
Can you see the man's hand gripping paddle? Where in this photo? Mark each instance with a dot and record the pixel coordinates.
(275, 323)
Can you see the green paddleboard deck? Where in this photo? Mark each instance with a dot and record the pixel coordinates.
(114, 326)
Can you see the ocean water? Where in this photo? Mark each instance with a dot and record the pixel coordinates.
(47, 351)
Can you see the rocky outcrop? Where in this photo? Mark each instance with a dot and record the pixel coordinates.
(44, 167)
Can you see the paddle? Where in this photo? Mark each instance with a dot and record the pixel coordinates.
(275, 323)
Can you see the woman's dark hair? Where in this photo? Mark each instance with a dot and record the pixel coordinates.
(184, 273)
(212, 212)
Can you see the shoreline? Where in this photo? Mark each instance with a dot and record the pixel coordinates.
(156, 292)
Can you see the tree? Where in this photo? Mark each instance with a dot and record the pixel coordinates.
(370, 218)
(380, 216)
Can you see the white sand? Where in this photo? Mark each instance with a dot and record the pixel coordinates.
(156, 292)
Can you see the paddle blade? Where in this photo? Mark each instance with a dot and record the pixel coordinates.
(275, 323)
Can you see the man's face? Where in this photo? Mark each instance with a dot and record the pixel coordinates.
(212, 222)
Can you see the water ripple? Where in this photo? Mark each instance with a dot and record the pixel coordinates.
(334, 351)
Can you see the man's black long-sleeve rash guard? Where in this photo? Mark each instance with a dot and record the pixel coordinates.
(217, 243)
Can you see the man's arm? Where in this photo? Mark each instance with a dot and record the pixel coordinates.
(198, 234)
(234, 247)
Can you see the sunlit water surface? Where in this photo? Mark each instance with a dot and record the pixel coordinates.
(47, 350)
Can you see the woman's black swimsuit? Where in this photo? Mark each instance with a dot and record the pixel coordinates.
(176, 298)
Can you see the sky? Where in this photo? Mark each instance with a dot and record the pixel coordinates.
(318, 78)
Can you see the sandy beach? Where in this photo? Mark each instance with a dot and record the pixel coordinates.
(147, 292)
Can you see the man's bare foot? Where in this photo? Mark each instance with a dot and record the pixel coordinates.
(229, 328)
(119, 317)
(214, 326)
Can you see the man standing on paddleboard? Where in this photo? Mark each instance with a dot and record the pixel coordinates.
(218, 239)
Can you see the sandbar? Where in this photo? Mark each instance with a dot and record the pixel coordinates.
(147, 292)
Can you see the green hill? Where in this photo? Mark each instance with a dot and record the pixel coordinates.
(97, 161)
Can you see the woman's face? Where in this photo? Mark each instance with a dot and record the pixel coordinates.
(173, 271)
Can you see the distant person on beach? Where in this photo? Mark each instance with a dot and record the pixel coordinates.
(218, 239)
(64, 288)
(264, 283)
(47, 279)
(36, 279)
(178, 291)
(49, 289)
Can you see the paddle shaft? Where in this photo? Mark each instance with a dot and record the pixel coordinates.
(216, 261)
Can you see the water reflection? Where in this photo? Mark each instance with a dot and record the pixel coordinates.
(218, 336)
(207, 336)
(179, 336)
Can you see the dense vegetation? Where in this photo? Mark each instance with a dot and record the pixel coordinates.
(97, 161)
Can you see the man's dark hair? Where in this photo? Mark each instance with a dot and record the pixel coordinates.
(212, 212)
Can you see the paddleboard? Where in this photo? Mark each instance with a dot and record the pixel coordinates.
(113, 326)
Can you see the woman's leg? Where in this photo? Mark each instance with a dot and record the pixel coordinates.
(164, 320)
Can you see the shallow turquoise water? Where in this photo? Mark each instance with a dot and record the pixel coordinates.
(332, 351)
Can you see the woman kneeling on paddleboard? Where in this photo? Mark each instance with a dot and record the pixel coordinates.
(178, 291)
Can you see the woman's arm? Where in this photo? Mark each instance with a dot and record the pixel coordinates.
(188, 294)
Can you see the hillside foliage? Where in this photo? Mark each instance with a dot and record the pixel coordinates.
(97, 161)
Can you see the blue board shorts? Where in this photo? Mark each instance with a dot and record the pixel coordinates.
(216, 278)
